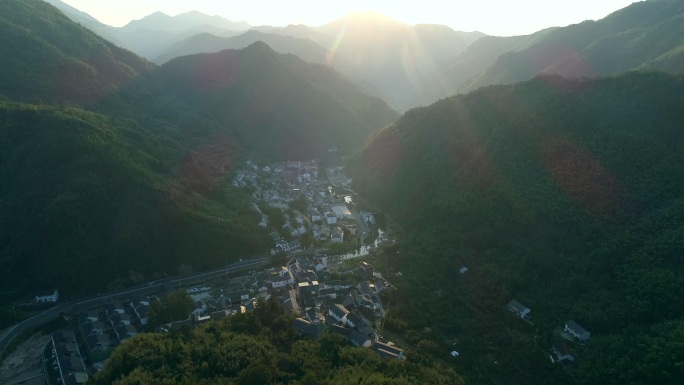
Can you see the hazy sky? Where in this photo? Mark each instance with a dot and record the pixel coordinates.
(494, 17)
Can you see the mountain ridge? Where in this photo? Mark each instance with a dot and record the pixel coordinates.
(628, 39)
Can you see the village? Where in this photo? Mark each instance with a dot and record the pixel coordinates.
(303, 207)
(321, 294)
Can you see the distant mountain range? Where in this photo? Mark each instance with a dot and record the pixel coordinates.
(387, 58)
(152, 35)
(416, 65)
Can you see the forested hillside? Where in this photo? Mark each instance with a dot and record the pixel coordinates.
(563, 194)
(260, 348)
(48, 57)
(88, 198)
(272, 104)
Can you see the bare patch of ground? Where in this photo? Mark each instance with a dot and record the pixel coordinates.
(27, 357)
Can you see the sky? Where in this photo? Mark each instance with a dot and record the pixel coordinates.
(493, 17)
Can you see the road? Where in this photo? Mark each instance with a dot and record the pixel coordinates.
(86, 303)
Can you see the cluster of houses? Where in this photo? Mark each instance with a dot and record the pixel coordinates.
(349, 305)
(104, 328)
(280, 184)
(63, 361)
(342, 306)
(572, 332)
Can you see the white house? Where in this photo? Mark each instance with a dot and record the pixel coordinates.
(282, 278)
(341, 212)
(576, 330)
(339, 313)
(519, 309)
(315, 215)
(463, 270)
(47, 296)
(286, 247)
(330, 218)
(360, 340)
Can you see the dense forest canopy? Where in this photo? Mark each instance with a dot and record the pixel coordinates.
(50, 58)
(87, 198)
(564, 194)
(260, 348)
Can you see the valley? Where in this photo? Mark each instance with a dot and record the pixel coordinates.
(192, 199)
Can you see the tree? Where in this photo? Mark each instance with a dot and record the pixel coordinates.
(175, 306)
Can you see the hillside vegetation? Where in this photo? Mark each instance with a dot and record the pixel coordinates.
(272, 104)
(88, 198)
(563, 194)
(260, 348)
(48, 57)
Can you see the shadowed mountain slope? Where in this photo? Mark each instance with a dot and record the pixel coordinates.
(564, 194)
(49, 57)
(273, 104)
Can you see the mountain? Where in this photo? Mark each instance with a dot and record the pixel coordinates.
(305, 49)
(274, 104)
(564, 194)
(80, 17)
(155, 33)
(393, 58)
(160, 21)
(56, 60)
(480, 55)
(90, 200)
(386, 58)
(644, 35)
(295, 30)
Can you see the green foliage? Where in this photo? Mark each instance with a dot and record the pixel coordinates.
(216, 353)
(563, 194)
(175, 306)
(89, 197)
(271, 104)
(57, 60)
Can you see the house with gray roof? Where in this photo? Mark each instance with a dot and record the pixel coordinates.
(388, 350)
(518, 309)
(574, 329)
(339, 313)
